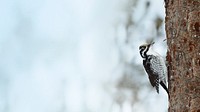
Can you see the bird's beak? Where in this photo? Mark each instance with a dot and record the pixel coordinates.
(151, 43)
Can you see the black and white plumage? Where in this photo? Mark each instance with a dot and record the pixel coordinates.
(155, 67)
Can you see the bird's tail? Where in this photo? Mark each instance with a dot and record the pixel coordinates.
(164, 86)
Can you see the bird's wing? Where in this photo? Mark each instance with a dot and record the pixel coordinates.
(151, 67)
(158, 63)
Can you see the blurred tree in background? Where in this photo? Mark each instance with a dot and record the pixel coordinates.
(139, 22)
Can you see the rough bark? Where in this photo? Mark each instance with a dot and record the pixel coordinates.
(183, 39)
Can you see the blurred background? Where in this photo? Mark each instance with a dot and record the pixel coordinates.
(78, 55)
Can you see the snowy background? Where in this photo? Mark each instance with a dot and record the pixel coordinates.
(78, 55)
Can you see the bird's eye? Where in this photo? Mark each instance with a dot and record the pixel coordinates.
(142, 47)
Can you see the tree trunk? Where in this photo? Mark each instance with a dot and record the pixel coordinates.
(183, 39)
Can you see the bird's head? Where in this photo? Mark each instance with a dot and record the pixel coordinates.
(144, 48)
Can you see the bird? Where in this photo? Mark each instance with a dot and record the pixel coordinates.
(155, 66)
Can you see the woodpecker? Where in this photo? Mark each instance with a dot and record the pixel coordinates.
(155, 66)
